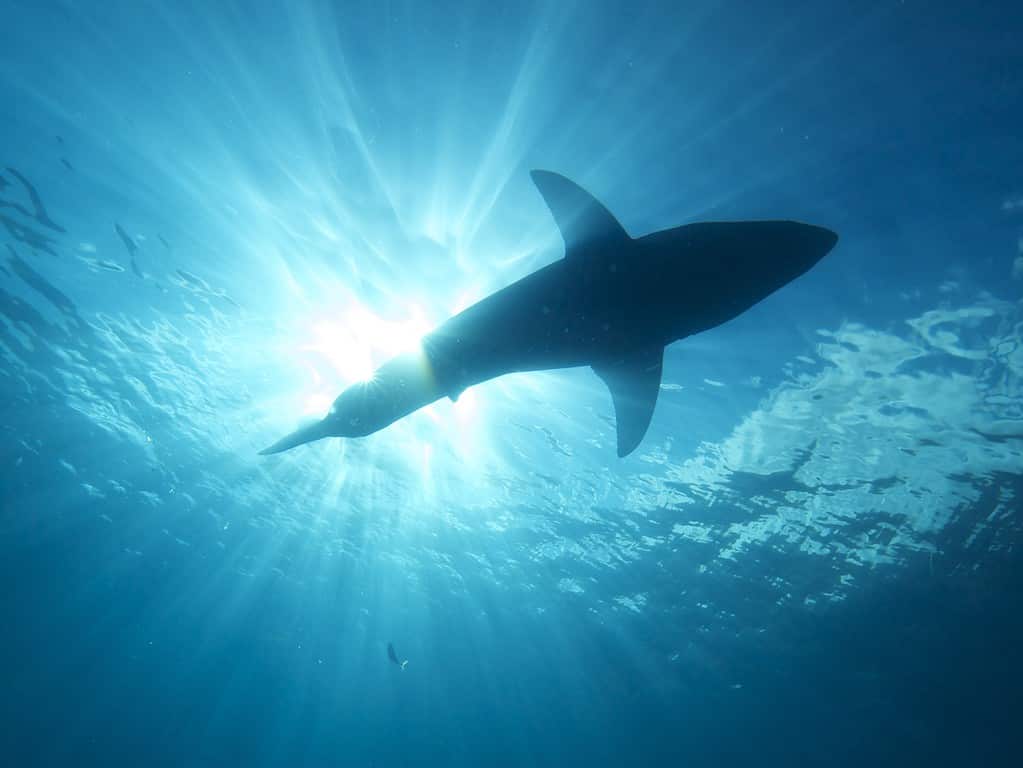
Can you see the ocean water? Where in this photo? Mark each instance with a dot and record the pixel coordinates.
(217, 215)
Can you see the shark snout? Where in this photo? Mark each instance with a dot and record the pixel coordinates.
(808, 244)
(826, 239)
(819, 240)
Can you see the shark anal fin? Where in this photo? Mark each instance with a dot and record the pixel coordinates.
(634, 382)
(580, 217)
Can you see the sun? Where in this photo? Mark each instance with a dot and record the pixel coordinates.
(338, 349)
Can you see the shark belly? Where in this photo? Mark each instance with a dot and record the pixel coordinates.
(539, 323)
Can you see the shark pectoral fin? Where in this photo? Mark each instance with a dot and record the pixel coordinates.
(315, 431)
(579, 215)
(634, 383)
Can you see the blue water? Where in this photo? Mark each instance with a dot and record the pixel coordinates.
(216, 215)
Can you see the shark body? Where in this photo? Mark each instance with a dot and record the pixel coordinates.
(612, 303)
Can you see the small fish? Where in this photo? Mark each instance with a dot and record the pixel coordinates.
(394, 657)
(129, 242)
(40, 214)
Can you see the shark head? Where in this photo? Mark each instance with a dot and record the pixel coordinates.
(756, 258)
(809, 244)
(777, 252)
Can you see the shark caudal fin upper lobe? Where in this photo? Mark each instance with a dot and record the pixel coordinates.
(307, 434)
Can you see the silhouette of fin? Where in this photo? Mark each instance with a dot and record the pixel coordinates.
(634, 382)
(578, 214)
(307, 434)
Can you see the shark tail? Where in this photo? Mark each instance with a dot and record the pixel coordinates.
(307, 434)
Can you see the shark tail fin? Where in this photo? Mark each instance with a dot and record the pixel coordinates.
(634, 382)
(579, 215)
(307, 434)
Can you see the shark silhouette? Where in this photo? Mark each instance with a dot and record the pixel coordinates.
(612, 303)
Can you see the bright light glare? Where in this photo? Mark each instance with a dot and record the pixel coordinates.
(332, 350)
(341, 351)
(317, 404)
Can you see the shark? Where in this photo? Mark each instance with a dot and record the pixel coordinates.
(612, 303)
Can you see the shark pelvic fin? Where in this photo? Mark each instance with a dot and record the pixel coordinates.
(580, 217)
(634, 382)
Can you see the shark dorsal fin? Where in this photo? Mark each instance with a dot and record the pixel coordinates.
(578, 214)
(634, 382)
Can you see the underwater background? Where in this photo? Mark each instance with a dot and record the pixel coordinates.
(214, 216)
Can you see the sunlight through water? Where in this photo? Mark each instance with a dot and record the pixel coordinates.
(216, 217)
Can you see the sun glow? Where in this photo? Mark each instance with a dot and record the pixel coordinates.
(341, 350)
(331, 350)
